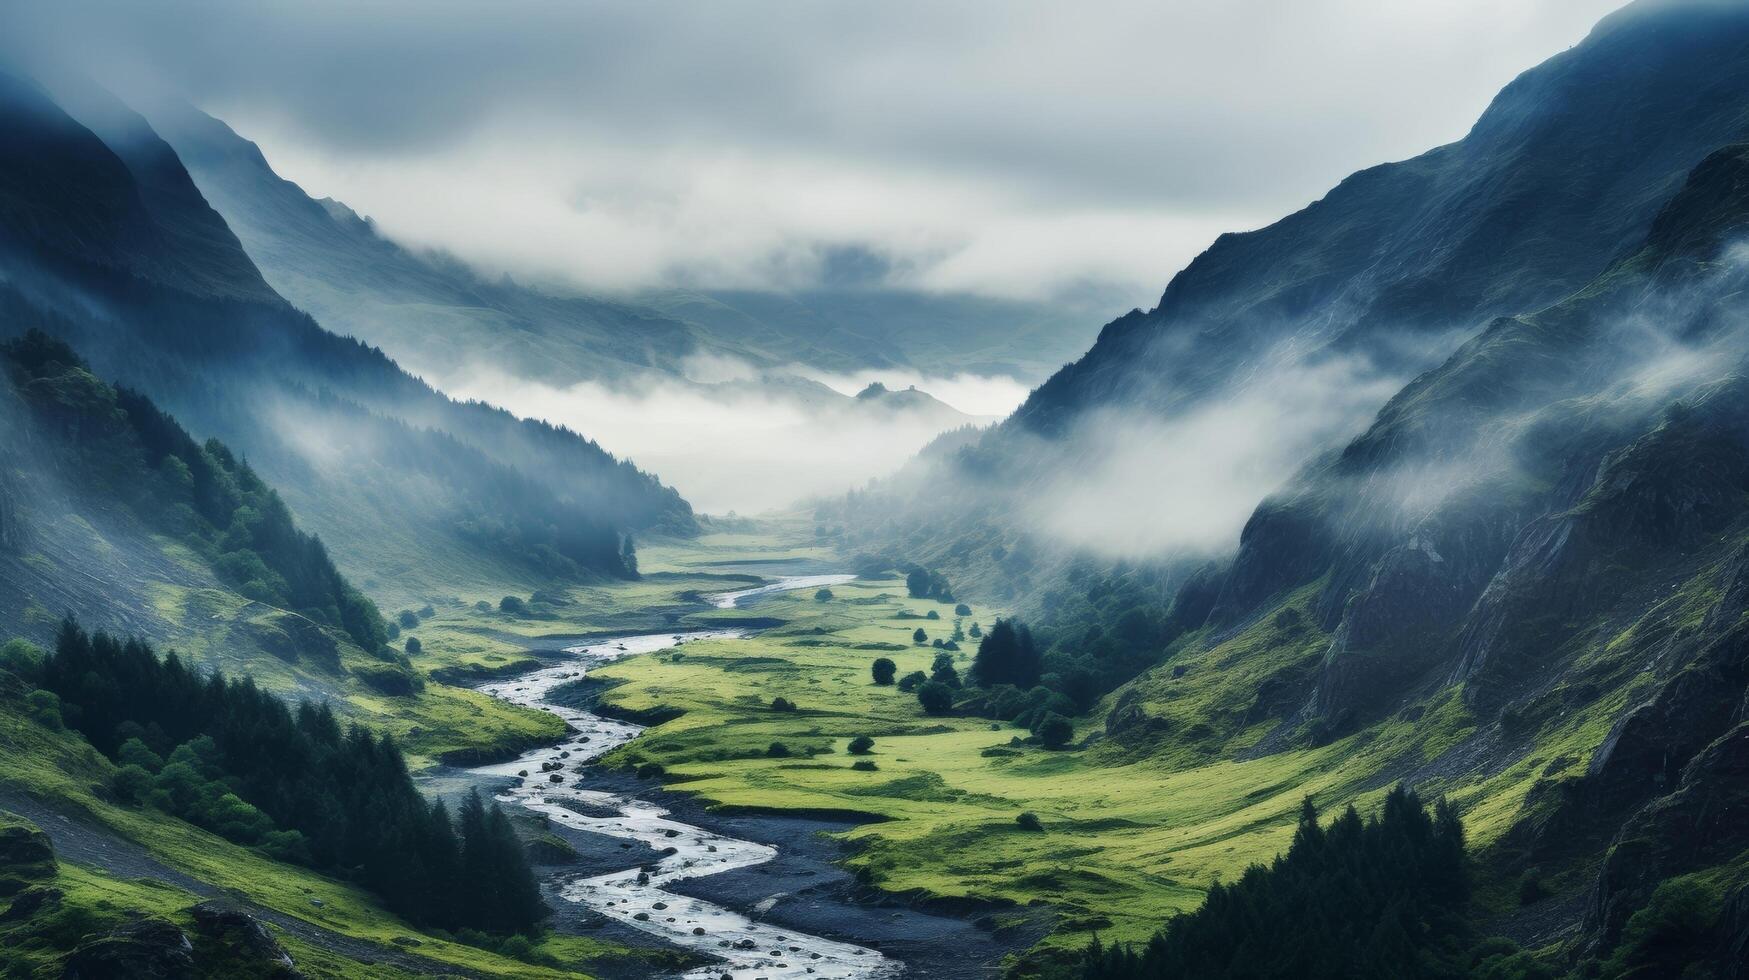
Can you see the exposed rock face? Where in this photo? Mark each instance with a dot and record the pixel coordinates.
(26, 856)
(30, 902)
(149, 949)
(233, 938)
(1704, 822)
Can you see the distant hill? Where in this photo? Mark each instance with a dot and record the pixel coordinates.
(434, 313)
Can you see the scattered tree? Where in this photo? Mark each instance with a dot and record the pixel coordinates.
(962, 610)
(1007, 656)
(782, 704)
(777, 750)
(1029, 821)
(861, 745)
(512, 605)
(919, 637)
(935, 697)
(824, 595)
(414, 647)
(1055, 731)
(883, 670)
(911, 681)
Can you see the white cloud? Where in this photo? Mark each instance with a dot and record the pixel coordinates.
(1008, 148)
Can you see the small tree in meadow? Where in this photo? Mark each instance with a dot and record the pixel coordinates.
(861, 745)
(935, 697)
(883, 670)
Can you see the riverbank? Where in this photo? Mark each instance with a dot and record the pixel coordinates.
(766, 892)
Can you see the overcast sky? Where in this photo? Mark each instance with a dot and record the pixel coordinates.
(1011, 148)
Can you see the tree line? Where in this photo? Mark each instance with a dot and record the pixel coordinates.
(1384, 896)
(121, 444)
(228, 756)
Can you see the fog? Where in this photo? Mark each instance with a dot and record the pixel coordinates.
(991, 396)
(741, 442)
(1008, 149)
(1146, 486)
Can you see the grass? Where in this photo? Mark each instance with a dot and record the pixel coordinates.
(1127, 840)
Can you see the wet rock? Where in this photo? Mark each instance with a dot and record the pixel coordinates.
(149, 949)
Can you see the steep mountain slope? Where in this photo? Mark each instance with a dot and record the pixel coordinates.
(436, 315)
(431, 314)
(1560, 176)
(407, 483)
(1380, 279)
(1551, 529)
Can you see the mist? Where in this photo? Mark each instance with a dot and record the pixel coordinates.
(741, 442)
(1143, 486)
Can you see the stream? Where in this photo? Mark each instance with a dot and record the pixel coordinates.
(553, 786)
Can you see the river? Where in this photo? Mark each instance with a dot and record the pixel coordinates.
(554, 785)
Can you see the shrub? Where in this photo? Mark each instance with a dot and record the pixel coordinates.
(911, 681)
(651, 770)
(407, 619)
(134, 752)
(22, 658)
(426, 612)
(131, 784)
(414, 647)
(962, 610)
(933, 615)
(919, 637)
(883, 670)
(864, 765)
(861, 745)
(483, 606)
(782, 704)
(777, 750)
(1029, 821)
(511, 604)
(1530, 888)
(45, 708)
(975, 632)
(1055, 731)
(824, 595)
(935, 697)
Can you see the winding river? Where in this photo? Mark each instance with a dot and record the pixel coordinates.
(554, 786)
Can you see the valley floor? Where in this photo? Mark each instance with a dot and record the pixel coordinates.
(898, 848)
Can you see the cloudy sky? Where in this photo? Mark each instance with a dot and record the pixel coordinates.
(1010, 148)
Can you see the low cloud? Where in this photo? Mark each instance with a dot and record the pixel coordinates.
(1138, 485)
(984, 395)
(732, 445)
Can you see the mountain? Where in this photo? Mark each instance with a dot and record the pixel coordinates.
(438, 316)
(1382, 278)
(1559, 177)
(1520, 584)
(111, 248)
